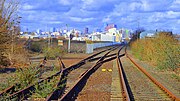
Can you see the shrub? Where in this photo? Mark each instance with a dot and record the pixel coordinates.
(89, 42)
(35, 47)
(163, 51)
(25, 76)
(53, 52)
(45, 88)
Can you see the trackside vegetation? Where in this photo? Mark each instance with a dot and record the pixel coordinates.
(163, 51)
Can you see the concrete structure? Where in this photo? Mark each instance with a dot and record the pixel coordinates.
(147, 34)
(103, 37)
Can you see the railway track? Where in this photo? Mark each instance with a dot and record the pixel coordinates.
(12, 88)
(74, 90)
(26, 92)
(143, 85)
(135, 82)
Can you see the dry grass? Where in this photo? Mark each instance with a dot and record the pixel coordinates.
(163, 51)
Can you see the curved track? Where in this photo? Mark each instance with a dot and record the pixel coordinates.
(26, 92)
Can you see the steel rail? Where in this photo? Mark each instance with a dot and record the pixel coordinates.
(94, 59)
(23, 93)
(11, 89)
(59, 90)
(125, 93)
(26, 92)
(168, 92)
(78, 86)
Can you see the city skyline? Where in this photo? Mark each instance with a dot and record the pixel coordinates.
(79, 14)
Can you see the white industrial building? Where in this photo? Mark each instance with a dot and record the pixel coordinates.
(112, 35)
(103, 37)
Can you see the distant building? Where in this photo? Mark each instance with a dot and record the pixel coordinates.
(98, 30)
(109, 26)
(103, 37)
(39, 31)
(53, 29)
(86, 30)
(147, 34)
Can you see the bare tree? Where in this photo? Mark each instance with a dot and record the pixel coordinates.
(8, 19)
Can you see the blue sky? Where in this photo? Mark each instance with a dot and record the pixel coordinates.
(78, 14)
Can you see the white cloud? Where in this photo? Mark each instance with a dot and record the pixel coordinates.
(27, 6)
(55, 22)
(135, 5)
(178, 21)
(78, 12)
(172, 14)
(106, 19)
(146, 5)
(124, 13)
(65, 2)
(76, 19)
(175, 5)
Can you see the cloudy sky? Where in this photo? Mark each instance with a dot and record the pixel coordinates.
(78, 14)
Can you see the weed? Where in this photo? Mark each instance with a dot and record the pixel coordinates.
(53, 52)
(45, 88)
(163, 51)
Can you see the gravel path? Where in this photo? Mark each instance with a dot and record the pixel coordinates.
(98, 86)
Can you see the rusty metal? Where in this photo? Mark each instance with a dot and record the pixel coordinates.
(26, 92)
(125, 91)
(11, 89)
(94, 59)
(8, 90)
(112, 58)
(59, 90)
(168, 92)
(73, 92)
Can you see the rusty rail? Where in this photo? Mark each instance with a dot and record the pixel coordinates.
(168, 92)
(94, 59)
(73, 92)
(59, 91)
(26, 92)
(125, 91)
(11, 89)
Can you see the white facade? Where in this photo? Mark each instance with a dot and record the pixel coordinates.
(103, 37)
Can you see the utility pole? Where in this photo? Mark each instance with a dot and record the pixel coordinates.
(69, 42)
(49, 40)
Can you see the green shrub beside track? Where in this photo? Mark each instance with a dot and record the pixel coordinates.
(53, 52)
(163, 51)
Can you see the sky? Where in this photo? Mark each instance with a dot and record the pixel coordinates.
(78, 14)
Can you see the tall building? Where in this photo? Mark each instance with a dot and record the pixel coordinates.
(53, 29)
(39, 31)
(86, 30)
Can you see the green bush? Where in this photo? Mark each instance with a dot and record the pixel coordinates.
(25, 76)
(163, 51)
(35, 47)
(53, 52)
(45, 88)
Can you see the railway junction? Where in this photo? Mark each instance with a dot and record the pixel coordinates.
(109, 74)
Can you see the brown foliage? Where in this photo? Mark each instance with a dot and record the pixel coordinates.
(163, 50)
(8, 18)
